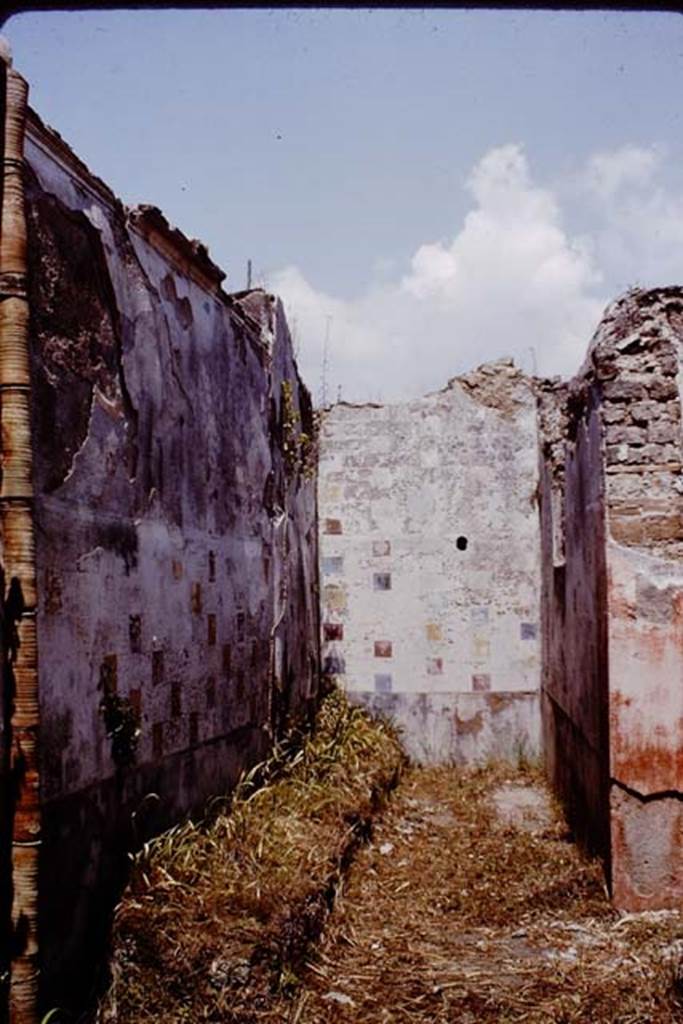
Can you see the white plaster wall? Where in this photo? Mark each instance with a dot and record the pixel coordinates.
(398, 485)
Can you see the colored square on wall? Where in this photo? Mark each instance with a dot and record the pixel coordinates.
(196, 598)
(333, 631)
(135, 698)
(226, 659)
(157, 667)
(239, 684)
(53, 591)
(333, 526)
(380, 548)
(382, 648)
(481, 646)
(334, 598)
(382, 682)
(333, 565)
(334, 664)
(528, 630)
(433, 630)
(434, 666)
(135, 633)
(481, 682)
(479, 615)
(175, 700)
(157, 739)
(381, 581)
(109, 682)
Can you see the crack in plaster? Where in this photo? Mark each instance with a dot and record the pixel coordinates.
(79, 452)
(647, 798)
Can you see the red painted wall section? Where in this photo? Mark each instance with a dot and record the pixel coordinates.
(641, 351)
(646, 729)
(646, 671)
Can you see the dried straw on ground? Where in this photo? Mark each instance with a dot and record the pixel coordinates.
(453, 911)
(455, 915)
(218, 918)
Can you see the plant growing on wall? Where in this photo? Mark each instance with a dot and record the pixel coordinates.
(300, 447)
(123, 728)
(309, 448)
(289, 417)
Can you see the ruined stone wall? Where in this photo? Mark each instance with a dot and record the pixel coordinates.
(621, 711)
(176, 537)
(430, 564)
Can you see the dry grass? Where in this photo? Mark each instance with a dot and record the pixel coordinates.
(450, 915)
(218, 917)
(447, 914)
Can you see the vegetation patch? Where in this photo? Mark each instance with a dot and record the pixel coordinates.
(219, 917)
(456, 912)
(465, 901)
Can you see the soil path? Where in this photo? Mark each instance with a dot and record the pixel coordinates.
(471, 904)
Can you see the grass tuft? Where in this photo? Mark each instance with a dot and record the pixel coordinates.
(218, 916)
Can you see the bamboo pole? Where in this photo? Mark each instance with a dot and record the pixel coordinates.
(18, 538)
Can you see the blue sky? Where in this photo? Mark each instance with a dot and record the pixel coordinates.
(428, 188)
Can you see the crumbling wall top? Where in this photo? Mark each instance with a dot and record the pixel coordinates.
(499, 385)
(52, 143)
(189, 254)
(633, 372)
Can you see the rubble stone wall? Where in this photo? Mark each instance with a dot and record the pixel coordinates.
(430, 564)
(176, 537)
(614, 722)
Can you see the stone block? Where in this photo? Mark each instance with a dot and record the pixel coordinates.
(619, 434)
(641, 412)
(620, 390)
(663, 431)
(662, 388)
(615, 413)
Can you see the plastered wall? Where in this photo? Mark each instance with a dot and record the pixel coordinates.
(574, 614)
(613, 655)
(176, 538)
(430, 555)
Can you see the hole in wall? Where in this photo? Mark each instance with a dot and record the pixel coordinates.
(461, 543)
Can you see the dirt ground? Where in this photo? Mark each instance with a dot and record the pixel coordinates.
(339, 886)
(472, 904)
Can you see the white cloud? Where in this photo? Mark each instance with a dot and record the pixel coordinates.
(608, 173)
(512, 281)
(638, 232)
